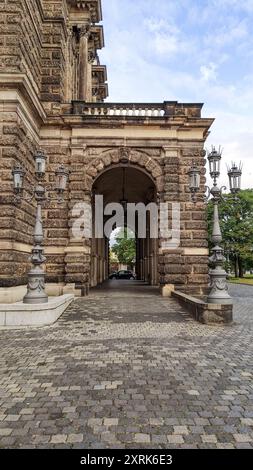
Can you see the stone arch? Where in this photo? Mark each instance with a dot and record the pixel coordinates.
(123, 155)
(147, 249)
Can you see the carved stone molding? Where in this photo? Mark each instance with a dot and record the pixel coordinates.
(91, 56)
(92, 6)
(84, 31)
(95, 91)
(124, 154)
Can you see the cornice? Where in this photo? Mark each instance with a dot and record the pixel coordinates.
(20, 82)
(94, 6)
(97, 34)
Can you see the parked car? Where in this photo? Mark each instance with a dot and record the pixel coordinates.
(123, 275)
(113, 275)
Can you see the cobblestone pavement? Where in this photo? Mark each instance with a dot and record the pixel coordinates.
(129, 369)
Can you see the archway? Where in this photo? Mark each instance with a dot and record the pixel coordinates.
(122, 253)
(125, 185)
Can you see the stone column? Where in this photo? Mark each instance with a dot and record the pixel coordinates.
(78, 249)
(143, 260)
(148, 252)
(170, 258)
(193, 225)
(101, 261)
(84, 32)
(138, 260)
(155, 262)
(91, 58)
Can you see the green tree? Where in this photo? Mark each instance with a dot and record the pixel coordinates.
(236, 217)
(124, 247)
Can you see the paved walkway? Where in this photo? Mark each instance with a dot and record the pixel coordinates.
(127, 368)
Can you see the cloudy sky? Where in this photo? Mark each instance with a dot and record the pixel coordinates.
(190, 51)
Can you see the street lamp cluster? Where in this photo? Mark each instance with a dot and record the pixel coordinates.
(36, 276)
(219, 288)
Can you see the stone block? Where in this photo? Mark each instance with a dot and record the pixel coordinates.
(175, 279)
(20, 314)
(203, 312)
(167, 290)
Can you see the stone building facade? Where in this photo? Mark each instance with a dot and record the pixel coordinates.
(52, 92)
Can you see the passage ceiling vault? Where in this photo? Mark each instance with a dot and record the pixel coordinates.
(138, 187)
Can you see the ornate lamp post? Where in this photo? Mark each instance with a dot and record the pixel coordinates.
(219, 288)
(194, 181)
(234, 175)
(36, 276)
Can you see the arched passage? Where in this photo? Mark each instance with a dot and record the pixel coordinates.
(122, 255)
(124, 184)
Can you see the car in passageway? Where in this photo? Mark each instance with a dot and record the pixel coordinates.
(123, 274)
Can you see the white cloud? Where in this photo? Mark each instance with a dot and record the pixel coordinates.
(165, 38)
(166, 44)
(236, 5)
(160, 25)
(231, 33)
(208, 72)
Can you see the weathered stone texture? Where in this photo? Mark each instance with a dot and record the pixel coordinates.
(16, 220)
(10, 29)
(33, 42)
(39, 50)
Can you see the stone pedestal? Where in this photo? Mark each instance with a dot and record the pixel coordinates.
(20, 314)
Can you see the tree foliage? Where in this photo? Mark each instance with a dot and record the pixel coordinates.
(236, 218)
(124, 247)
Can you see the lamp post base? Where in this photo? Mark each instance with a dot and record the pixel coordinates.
(219, 288)
(220, 300)
(35, 300)
(36, 287)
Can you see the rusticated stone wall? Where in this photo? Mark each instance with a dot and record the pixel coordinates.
(186, 271)
(56, 216)
(32, 38)
(53, 61)
(16, 220)
(33, 43)
(10, 56)
(29, 38)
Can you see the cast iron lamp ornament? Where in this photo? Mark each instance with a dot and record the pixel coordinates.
(234, 175)
(194, 181)
(36, 276)
(219, 288)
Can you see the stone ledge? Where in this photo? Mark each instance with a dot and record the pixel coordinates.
(10, 295)
(19, 87)
(209, 314)
(19, 314)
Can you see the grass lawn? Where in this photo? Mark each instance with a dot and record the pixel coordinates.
(242, 280)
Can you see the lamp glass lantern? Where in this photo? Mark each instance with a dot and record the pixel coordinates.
(18, 176)
(214, 158)
(194, 178)
(40, 164)
(61, 179)
(234, 175)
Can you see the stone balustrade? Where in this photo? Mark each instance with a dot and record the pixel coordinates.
(112, 109)
(137, 110)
